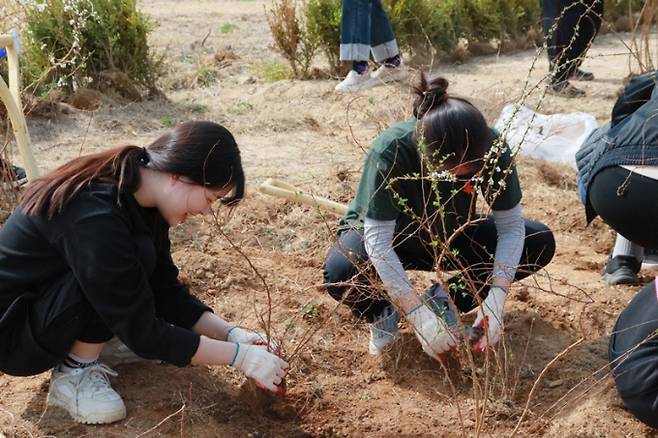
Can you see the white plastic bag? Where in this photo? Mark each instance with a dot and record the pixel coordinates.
(554, 137)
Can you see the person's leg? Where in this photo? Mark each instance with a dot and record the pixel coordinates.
(550, 10)
(79, 384)
(385, 49)
(355, 29)
(560, 20)
(472, 253)
(350, 279)
(382, 39)
(590, 24)
(622, 199)
(633, 355)
(587, 17)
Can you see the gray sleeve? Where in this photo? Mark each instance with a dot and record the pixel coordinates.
(510, 227)
(378, 240)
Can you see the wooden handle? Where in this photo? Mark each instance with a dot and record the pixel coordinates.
(20, 130)
(284, 190)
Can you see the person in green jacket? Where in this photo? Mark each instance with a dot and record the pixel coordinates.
(415, 209)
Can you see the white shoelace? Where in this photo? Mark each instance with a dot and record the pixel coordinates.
(97, 374)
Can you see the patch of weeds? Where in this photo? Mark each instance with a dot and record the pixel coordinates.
(198, 108)
(205, 75)
(241, 107)
(310, 311)
(272, 71)
(167, 121)
(228, 27)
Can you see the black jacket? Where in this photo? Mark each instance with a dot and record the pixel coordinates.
(631, 136)
(120, 258)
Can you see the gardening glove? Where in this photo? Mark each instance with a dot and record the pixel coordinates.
(434, 335)
(265, 368)
(490, 317)
(243, 336)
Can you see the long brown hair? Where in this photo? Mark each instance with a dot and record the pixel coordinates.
(204, 152)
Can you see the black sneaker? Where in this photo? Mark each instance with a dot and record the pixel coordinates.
(580, 75)
(565, 89)
(621, 270)
(11, 176)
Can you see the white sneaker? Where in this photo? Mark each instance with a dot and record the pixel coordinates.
(383, 331)
(116, 353)
(355, 82)
(390, 74)
(86, 394)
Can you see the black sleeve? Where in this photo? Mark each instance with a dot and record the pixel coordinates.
(99, 249)
(635, 94)
(173, 300)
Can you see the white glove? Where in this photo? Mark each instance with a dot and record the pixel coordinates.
(490, 317)
(267, 369)
(435, 337)
(242, 336)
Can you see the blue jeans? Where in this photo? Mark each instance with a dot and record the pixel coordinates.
(365, 27)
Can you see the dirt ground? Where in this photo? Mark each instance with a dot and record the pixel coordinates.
(304, 133)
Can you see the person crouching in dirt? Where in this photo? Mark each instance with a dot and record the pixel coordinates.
(618, 180)
(86, 257)
(416, 190)
(617, 168)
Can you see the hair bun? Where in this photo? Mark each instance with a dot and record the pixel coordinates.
(429, 95)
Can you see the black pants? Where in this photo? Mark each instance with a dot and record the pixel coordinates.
(627, 203)
(348, 274)
(570, 27)
(40, 332)
(633, 354)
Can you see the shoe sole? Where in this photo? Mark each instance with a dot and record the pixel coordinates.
(361, 87)
(393, 78)
(94, 418)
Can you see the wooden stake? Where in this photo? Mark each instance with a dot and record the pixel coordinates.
(12, 100)
(284, 190)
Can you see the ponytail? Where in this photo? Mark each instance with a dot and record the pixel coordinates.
(429, 96)
(50, 193)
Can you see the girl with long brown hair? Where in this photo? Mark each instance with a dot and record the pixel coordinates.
(86, 257)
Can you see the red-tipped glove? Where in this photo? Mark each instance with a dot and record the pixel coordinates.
(266, 369)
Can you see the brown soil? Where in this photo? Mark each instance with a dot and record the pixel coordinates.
(304, 133)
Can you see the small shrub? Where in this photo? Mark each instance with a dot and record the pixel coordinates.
(69, 42)
(205, 75)
(291, 37)
(323, 25)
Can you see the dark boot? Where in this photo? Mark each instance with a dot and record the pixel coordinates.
(621, 270)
